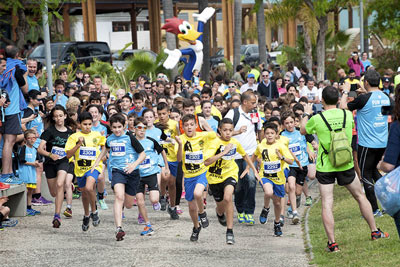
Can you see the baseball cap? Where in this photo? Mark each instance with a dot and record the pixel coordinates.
(386, 80)
(251, 75)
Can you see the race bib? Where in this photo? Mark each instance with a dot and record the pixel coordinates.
(118, 149)
(272, 167)
(231, 154)
(88, 153)
(58, 151)
(146, 163)
(194, 157)
(295, 148)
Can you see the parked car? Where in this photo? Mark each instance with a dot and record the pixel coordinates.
(119, 59)
(248, 54)
(277, 51)
(84, 52)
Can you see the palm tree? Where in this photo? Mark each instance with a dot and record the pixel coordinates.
(262, 49)
(168, 9)
(237, 36)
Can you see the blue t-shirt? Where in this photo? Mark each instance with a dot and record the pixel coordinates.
(27, 173)
(298, 146)
(36, 123)
(100, 128)
(123, 149)
(33, 83)
(14, 94)
(62, 100)
(139, 114)
(152, 149)
(392, 152)
(154, 133)
(372, 126)
(213, 124)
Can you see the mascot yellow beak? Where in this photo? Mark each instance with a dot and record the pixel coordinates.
(190, 36)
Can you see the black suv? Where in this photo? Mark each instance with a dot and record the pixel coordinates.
(84, 52)
(248, 55)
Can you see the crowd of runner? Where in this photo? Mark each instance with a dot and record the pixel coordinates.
(190, 139)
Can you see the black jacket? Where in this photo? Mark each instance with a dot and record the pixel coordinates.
(269, 91)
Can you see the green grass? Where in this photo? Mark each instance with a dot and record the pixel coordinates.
(353, 236)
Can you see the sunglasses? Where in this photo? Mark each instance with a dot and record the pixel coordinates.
(232, 86)
(141, 127)
(178, 82)
(301, 81)
(287, 80)
(86, 76)
(265, 75)
(148, 88)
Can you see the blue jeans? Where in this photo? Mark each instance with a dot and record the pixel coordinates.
(245, 191)
(396, 218)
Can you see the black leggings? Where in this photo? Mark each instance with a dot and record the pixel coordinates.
(368, 159)
(178, 183)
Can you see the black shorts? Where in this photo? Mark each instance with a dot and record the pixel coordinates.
(354, 144)
(299, 174)
(11, 125)
(343, 177)
(51, 169)
(151, 182)
(218, 189)
(130, 181)
(71, 168)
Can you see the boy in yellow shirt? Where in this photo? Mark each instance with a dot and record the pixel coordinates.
(85, 146)
(222, 174)
(191, 148)
(272, 155)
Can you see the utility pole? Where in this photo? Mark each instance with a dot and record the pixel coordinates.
(46, 33)
(361, 26)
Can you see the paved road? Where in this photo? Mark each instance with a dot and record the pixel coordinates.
(35, 243)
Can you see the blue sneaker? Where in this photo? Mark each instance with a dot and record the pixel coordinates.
(30, 212)
(147, 230)
(378, 213)
(289, 213)
(264, 215)
(249, 219)
(10, 222)
(277, 229)
(10, 179)
(241, 218)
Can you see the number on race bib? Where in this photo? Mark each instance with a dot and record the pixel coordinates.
(88, 153)
(59, 152)
(146, 163)
(271, 167)
(295, 148)
(194, 157)
(118, 149)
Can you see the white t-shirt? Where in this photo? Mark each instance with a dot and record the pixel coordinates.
(247, 139)
(310, 94)
(246, 87)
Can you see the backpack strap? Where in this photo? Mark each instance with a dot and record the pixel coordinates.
(236, 116)
(344, 119)
(330, 129)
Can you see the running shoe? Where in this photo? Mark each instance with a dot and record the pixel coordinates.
(204, 220)
(333, 247)
(30, 212)
(41, 201)
(103, 204)
(10, 222)
(221, 219)
(264, 215)
(76, 195)
(163, 203)
(95, 218)
(68, 213)
(296, 218)
(183, 195)
(378, 213)
(56, 221)
(298, 201)
(172, 213)
(1, 227)
(277, 229)
(140, 219)
(85, 223)
(195, 234)
(10, 179)
(230, 239)
(4, 186)
(147, 230)
(205, 203)
(249, 219)
(119, 234)
(156, 206)
(241, 218)
(282, 220)
(178, 210)
(379, 234)
(308, 201)
(289, 214)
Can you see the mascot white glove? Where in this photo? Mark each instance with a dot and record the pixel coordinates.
(207, 13)
(172, 59)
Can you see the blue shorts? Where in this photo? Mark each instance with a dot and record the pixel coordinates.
(190, 185)
(130, 181)
(82, 180)
(173, 167)
(279, 189)
(286, 172)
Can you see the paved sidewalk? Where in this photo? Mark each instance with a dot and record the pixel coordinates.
(35, 243)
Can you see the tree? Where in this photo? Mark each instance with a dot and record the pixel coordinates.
(168, 9)
(237, 36)
(386, 21)
(262, 46)
(205, 73)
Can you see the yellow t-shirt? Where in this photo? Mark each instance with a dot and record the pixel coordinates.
(271, 166)
(170, 148)
(214, 111)
(87, 154)
(226, 166)
(193, 153)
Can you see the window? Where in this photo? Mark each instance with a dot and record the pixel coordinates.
(121, 26)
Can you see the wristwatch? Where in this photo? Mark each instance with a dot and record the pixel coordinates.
(283, 158)
(306, 115)
(345, 92)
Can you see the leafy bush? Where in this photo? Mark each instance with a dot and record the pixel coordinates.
(387, 58)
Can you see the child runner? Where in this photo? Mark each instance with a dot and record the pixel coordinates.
(84, 147)
(191, 146)
(56, 163)
(148, 170)
(27, 163)
(222, 174)
(272, 155)
(297, 173)
(126, 153)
